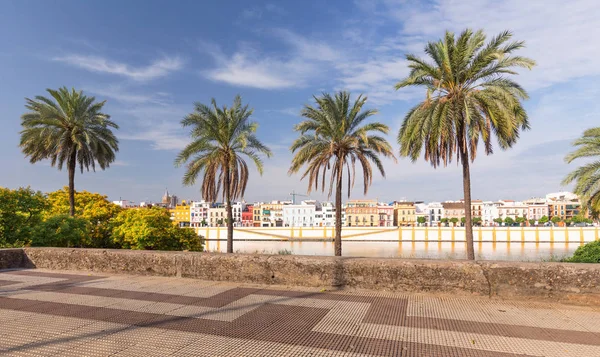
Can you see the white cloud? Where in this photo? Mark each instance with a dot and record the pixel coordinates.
(158, 125)
(158, 68)
(560, 38)
(123, 95)
(263, 73)
(248, 67)
(309, 49)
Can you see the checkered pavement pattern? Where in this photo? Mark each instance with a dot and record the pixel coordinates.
(49, 313)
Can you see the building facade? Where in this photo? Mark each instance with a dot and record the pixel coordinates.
(217, 216)
(248, 216)
(124, 203)
(489, 213)
(454, 210)
(512, 209)
(404, 213)
(436, 213)
(362, 213)
(536, 208)
(199, 213)
(386, 215)
(299, 215)
(180, 214)
(477, 208)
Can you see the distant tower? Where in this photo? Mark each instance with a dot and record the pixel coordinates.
(174, 200)
(166, 199)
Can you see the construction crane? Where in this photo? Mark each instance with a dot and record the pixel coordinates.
(294, 194)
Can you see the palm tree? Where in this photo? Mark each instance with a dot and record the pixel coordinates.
(586, 177)
(469, 99)
(70, 130)
(334, 138)
(220, 139)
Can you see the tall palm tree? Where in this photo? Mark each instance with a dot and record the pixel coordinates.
(469, 98)
(334, 137)
(221, 137)
(70, 130)
(586, 177)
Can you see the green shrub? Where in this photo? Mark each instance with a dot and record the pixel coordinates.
(152, 229)
(20, 213)
(61, 231)
(589, 253)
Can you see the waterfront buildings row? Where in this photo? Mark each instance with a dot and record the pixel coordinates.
(367, 213)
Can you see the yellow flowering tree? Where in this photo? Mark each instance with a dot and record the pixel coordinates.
(152, 229)
(93, 207)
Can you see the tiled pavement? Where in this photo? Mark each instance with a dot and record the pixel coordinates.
(44, 313)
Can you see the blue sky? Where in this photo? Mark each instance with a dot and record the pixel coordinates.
(151, 60)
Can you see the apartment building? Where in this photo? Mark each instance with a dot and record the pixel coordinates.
(512, 209)
(300, 215)
(362, 213)
(180, 214)
(453, 209)
(476, 208)
(217, 215)
(199, 213)
(404, 213)
(248, 216)
(436, 213)
(489, 213)
(537, 208)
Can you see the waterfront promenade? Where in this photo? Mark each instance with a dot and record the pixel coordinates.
(44, 313)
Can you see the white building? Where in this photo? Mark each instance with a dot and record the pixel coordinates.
(328, 214)
(536, 208)
(512, 209)
(302, 215)
(436, 213)
(217, 216)
(124, 203)
(199, 213)
(489, 213)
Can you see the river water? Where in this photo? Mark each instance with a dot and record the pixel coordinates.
(427, 250)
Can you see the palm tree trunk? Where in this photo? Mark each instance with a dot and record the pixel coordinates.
(337, 243)
(464, 157)
(226, 186)
(71, 166)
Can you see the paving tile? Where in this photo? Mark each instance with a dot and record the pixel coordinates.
(49, 313)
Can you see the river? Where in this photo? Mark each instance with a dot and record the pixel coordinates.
(517, 251)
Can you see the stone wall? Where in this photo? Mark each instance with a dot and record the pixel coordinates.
(556, 281)
(11, 258)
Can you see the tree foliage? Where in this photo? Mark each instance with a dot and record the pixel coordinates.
(335, 137)
(556, 219)
(586, 177)
(509, 221)
(62, 231)
(588, 253)
(544, 219)
(93, 207)
(222, 138)
(152, 229)
(421, 220)
(470, 98)
(21, 210)
(70, 130)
